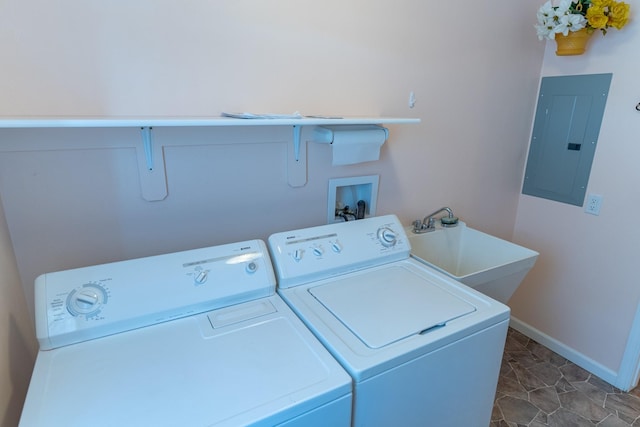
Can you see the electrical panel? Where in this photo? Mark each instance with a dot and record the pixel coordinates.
(564, 138)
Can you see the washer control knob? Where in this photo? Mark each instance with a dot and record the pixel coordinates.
(252, 267)
(201, 277)
(86, 300)
(387, 237)
(318, 251)
(297, 255)
(336, 247)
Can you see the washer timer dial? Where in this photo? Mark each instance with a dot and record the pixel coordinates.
(387, 237)
(87, 300)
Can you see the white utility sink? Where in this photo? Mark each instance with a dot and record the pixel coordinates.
(486, 263)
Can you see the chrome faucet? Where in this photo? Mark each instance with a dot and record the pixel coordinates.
(429, 221)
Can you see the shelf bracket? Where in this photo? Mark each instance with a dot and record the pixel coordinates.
(297, 130)
(147, 144)
(153, 180)
(297, 158)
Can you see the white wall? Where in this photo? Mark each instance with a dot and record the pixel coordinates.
(583, 292)
(474, 70)
(17, 342)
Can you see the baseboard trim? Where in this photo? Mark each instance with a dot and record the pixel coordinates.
(567, 352)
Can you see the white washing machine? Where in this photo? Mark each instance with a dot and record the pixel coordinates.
(195, 338)
(422, 349)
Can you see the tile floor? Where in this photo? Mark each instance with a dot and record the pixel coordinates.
(537, 387)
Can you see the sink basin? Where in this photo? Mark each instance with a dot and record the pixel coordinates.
(486, 263)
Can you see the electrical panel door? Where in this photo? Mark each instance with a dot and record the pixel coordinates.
(565, 133)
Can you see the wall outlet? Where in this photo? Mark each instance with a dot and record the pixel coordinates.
(592, 206)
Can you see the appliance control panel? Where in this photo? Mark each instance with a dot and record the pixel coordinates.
(309, 254)
(91, 302)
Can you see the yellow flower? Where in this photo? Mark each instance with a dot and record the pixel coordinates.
(596, 16)
(601, 4)
(618, 15)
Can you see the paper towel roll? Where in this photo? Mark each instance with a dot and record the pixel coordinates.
(353, 144)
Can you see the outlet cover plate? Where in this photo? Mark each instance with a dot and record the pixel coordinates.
(593, 204)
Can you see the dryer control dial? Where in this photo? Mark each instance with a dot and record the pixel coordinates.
(251, 267)
(387, 237)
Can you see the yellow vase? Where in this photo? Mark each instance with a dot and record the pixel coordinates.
(573, 43)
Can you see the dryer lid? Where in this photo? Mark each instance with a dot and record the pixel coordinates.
(387, 305)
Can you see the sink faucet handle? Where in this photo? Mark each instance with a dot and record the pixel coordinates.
(417, 225)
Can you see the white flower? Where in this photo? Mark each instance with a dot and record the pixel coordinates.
(559, 12)
(558, 19)
(570, 22)
(545, 13)
(545, 32)
(563, 7)
(548, 20)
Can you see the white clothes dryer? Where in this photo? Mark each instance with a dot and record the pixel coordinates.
(195, 338)
(422, 348)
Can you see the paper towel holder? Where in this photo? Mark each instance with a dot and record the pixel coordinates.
(324, 135)
(352, 144)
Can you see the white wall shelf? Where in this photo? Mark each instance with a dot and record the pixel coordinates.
(96, 122)
(151, 155)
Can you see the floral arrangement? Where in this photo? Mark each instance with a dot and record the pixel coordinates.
(576, 15)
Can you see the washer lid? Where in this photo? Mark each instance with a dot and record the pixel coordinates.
(384, 306)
